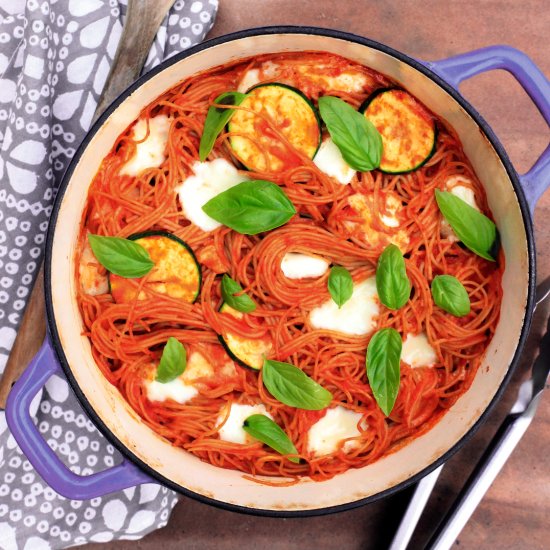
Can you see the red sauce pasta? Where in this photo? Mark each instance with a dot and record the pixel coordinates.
(150, 190)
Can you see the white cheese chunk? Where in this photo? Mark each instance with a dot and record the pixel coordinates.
(177, 390)
(181, 389)
(323, 75)
(393, 204)
(253, 76)
(298, 266)
(347, 82)
(356, 317)
(462, 192)
(149, 153)
(325, 435)
(363, 205)
(417, 351)
(208, 180)
(330, 161)
(197, 367)
(249, 79)
(270, 69)
(91, 280)
(232, 430)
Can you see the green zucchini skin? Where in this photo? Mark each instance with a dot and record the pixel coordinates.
(231, 351)
(299, 92)
(231, 124)
(166, 234)
(412, 167)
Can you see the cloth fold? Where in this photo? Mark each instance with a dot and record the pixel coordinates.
(55, 56)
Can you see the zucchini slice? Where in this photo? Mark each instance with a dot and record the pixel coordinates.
(407, 128)
(176, 273)
(295, 118)
(247, 352)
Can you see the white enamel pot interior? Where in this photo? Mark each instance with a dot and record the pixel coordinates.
(186, 473)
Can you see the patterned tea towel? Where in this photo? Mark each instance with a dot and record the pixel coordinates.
(54, 59)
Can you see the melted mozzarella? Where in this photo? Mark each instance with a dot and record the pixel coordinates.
(197, 367)
(254, 76)
(363, 205)
(91, 280)
(462, 192)
(149, 153)
(350, 81)
(347, 82)
(417, 351)
(249, 79)
(393, 204)
(325, 435)
(298, 266)
(330, 161)
(182, 389)
(177, 390)
(208, 180)
(232, 430)
(357, 316)
(270, 69)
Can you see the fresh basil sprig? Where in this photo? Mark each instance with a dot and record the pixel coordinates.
(293, 387)
(263, 429)
(173, 361)
(450, 295)
(340, 285)
(251, 207)
(383, 367)
(121, 256)
(355, 136)
(473, 228)
(241, 302)
(216, 119)
(392, 284)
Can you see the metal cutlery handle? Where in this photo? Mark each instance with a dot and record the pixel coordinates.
(414, 510)
(485, 472)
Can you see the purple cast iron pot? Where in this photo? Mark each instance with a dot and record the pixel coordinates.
(147, 457)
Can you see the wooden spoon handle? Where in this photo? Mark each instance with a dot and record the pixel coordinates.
(29, 338)
(143, 18)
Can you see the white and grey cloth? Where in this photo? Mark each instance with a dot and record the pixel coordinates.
(54, 59)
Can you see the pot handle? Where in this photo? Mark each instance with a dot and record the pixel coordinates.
(460, 67)
(38, 452)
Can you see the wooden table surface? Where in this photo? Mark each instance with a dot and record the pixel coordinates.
(515, 513)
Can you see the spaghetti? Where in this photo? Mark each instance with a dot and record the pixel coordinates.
(127, 338)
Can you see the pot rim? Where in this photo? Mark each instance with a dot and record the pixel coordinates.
(330, 33)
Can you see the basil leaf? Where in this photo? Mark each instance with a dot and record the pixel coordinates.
(251, 207)
(243, 302)
(121, 256)
(340, 285)
(293, 387)
(449, 294)
(173, 361)
(216, 119)
(473, 228)
(383, 367)
(265, 430)
(355, 136)
(392, 284)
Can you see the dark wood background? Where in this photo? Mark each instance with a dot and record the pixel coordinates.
(515, 513)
